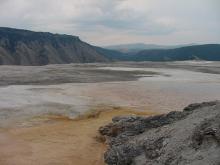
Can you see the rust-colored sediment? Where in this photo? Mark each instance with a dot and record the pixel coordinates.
(59, 140)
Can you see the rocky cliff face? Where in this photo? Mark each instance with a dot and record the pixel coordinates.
(189, 137)
(22, 47)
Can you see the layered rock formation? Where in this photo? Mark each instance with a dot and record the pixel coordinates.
(22, 47)
(189, 137)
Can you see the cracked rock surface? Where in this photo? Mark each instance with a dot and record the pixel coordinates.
(189, 137)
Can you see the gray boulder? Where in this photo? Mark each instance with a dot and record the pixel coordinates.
(188, 137)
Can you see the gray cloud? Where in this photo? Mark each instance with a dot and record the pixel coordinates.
(118, 21)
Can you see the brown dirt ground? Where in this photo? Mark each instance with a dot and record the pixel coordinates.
(58, 140)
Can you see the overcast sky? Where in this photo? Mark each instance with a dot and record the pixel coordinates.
(109, 22)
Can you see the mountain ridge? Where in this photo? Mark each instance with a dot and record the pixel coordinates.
(208, 52)
(25, 47)
(136, 47)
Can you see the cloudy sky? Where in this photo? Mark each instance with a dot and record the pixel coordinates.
(110, 22)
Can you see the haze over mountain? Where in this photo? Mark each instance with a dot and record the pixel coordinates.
(136, 47)
(113, 22)
(23, 47)
(209, 52)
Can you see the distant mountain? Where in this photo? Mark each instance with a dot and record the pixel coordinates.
(136, 47)
(113, 55)
(23, 47)
(209, 52)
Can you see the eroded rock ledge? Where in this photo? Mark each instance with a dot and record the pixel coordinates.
(188, 137)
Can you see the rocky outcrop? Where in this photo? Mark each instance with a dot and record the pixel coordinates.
(188, 137)
(23, 47)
